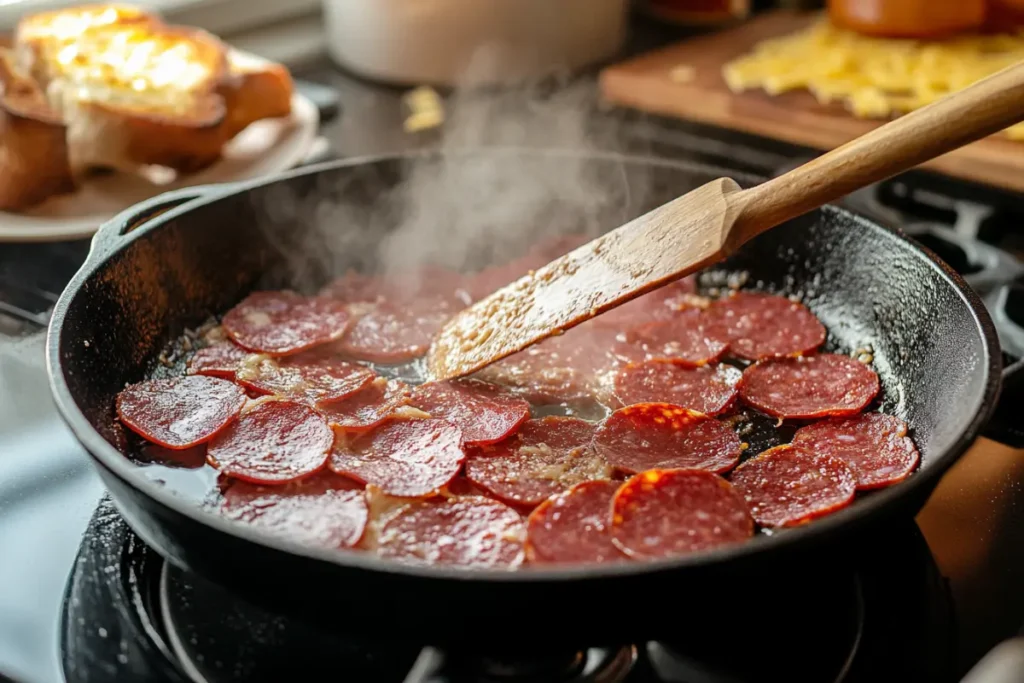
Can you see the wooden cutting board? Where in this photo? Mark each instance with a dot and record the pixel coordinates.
(646, 83)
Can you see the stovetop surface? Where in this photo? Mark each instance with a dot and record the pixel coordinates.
(949, 585)
(129, 614)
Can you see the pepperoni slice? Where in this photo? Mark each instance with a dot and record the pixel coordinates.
(467, 532)
(759, 326)
(570, 367)
(282, 323)
(683, 339)
(354, 287)
(806, 388)
(274, 443)
(392, 333)
(181, 412)
(875, 446)
(662, 513)
(708, 390)
(574, 526)
(429, 281)
(662, 304)
(547, 456)
(305, 378)
(368, 407)
(484, 412)
(493, 278)
(651, 436)
(787, 485)
(406, 458)
(323, 511)
(218, 360)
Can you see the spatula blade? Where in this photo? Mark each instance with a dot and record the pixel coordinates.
(663, 245)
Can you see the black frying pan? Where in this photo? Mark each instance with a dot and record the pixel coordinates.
(171, 262)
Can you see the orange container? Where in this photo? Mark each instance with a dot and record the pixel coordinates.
(908, 18)
(697, 12)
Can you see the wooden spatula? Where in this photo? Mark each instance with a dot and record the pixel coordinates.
(707, 225)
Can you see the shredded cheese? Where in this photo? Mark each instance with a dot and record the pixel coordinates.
(427, 110)
(873, 77)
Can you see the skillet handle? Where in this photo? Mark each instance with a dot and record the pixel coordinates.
(108, 236)
(1005, 424)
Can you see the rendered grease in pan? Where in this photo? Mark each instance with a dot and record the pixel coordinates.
(521, 471)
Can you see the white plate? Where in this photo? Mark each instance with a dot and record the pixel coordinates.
(265, 147)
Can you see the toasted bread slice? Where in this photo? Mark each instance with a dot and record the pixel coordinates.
(141, 94)
(33, 152)
(135, 92)
(39, 38)
(254, 90)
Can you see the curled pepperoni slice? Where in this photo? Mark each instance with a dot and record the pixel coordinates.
(467, 532)
(683, 339)
(760, 326)
(305, 378)
(485, 413)
(406, 458)
(661, 513)
(274, 443)
(875, 446)
(806, 388)
(324, 510)
(393, 333)
(181, 412)
(787, 486)
(708, 390)
(368, 407)
(282, 323)
(547, 456)
(651, 436)
(218, 360)
(574, 526)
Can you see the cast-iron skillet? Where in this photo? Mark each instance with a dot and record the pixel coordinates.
(169, 263)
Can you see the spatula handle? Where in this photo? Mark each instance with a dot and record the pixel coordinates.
(981, 109)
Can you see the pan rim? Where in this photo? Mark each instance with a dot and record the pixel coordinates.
(840, 524)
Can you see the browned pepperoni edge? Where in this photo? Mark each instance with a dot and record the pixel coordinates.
(574, 526)
(666, 513)
(181, 412)
(788, 486)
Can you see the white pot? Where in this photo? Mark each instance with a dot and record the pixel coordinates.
(457, 42)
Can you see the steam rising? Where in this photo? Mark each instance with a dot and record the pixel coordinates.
(462, 209)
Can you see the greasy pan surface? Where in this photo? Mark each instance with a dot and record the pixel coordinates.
(933, 345)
